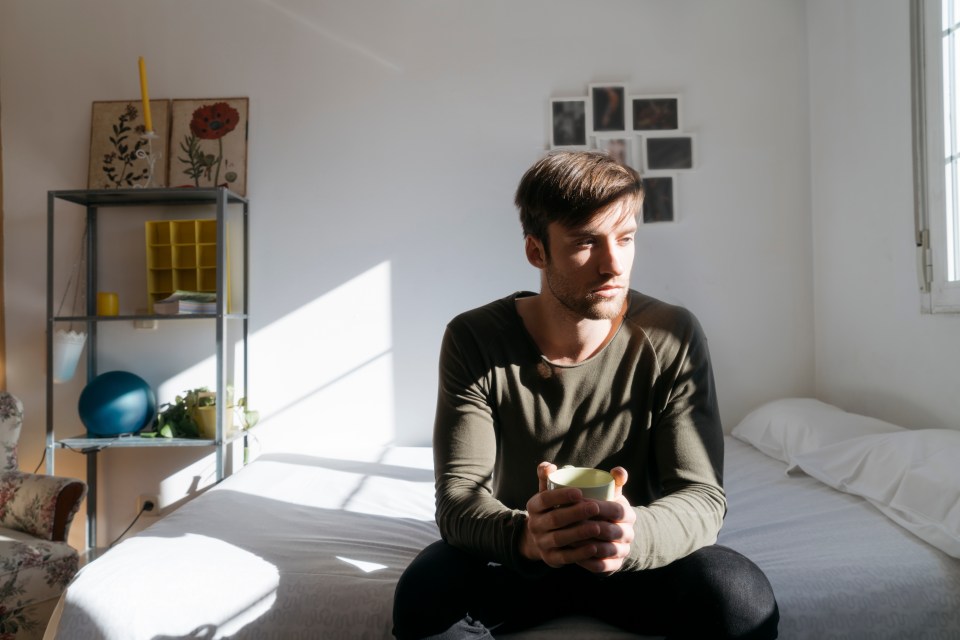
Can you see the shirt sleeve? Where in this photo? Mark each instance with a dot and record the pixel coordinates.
(465, 449)
(687, 450)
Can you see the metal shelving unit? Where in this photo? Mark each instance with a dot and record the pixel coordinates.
(223, 202)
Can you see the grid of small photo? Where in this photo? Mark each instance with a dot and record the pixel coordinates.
(642, 131)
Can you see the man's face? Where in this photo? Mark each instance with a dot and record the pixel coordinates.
(588, 270)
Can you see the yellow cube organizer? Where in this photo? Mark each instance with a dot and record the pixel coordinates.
(182, 255)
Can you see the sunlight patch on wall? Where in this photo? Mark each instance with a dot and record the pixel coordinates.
(349, 416)
(187, 481)
(202, 374)
(323, 374)
(347, 44)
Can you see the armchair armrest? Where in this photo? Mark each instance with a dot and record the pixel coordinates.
(42, 506)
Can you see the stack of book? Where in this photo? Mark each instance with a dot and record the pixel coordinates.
(186, 302)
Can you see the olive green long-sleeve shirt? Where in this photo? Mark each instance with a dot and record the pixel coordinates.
(645, 402)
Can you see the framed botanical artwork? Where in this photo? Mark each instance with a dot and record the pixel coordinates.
(120, 156)
(655, 113)
(608, 103)
(666, 153)
(568, 123)
(659, 199)
(208, 143)
(618, 146)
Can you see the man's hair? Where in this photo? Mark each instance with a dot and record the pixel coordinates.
(569, 187)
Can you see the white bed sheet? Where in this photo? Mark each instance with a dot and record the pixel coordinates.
(839, 568)
(303, 547)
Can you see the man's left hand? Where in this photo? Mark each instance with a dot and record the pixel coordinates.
(616, 520)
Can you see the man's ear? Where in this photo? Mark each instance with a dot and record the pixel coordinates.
(536, 252)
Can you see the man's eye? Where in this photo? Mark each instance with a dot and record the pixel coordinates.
(626, 240)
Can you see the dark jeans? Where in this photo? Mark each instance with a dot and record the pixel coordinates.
(712, 593)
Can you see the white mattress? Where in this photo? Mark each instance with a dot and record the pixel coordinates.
(839, 567)
(304, 547)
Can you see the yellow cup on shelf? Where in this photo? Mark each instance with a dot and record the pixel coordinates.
(108, 304)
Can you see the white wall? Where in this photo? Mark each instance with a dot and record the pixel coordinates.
(875, 353)
(386, 140)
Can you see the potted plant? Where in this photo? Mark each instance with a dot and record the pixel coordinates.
(180, 418)
(194, 415)
(206, 410)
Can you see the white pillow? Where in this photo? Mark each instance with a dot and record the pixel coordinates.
(790, 426)
(913, 477)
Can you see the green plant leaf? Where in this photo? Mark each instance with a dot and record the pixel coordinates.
(250, 419)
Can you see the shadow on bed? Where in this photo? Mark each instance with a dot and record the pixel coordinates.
(293, 546)
(374, 468)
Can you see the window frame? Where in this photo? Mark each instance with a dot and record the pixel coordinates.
(939, 294)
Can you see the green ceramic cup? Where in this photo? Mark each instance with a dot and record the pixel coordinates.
(593, 483)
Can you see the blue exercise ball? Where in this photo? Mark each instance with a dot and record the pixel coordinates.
(115, 403)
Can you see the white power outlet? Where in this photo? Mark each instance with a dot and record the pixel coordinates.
(142, 503)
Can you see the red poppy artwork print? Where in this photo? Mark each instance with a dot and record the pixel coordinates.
(213, 121)
(208, 145)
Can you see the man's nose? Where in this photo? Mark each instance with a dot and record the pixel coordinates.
(611, 262)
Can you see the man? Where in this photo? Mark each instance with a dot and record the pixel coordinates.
(585, 373)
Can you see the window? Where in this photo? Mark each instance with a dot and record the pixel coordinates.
(936, 117)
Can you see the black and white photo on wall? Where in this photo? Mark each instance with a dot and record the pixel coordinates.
(659, 200)
(608, 102)
(568, 123)
(668, 153)
(617, 145)
(655, 113)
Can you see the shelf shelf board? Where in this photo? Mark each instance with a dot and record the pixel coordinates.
(132, 197)
(179, 316)
(86, 443)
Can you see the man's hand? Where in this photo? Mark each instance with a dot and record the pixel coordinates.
(619, 517)
(564, 528)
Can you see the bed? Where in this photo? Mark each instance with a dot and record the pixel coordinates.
(297, 546)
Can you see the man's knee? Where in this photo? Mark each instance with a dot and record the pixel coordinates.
(433, 592)
(734, 596)
(419, 607)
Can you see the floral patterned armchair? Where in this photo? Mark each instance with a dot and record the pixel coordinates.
(36, 563)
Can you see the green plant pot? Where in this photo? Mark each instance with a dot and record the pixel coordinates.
(207, 421)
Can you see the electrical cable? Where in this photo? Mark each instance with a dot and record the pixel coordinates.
(147, 506)
(42, 458)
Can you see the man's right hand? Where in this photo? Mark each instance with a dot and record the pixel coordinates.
(564, 528)
(560, 529)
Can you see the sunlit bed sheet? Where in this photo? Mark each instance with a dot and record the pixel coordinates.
(303, 547)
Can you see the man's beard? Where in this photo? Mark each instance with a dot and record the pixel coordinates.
(589, 306)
